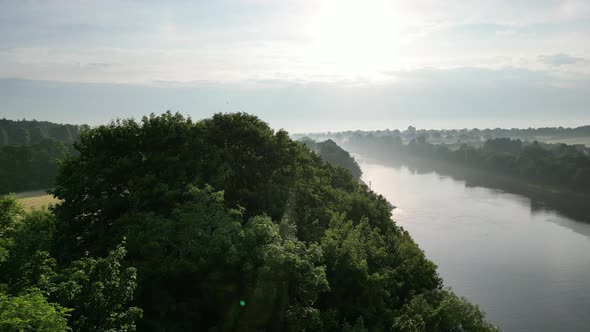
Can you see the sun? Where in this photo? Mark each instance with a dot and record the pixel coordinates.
(355, 38)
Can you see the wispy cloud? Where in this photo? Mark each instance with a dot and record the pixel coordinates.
(561, 59)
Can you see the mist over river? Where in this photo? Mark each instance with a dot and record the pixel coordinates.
(527, 268)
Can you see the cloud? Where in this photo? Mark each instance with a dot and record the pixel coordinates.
(561, 59)
(264, 40)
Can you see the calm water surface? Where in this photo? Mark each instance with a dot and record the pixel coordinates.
(529, 270)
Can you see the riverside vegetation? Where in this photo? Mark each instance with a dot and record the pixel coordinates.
(552, 166)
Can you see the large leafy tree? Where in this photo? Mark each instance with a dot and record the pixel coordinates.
(38, 294)
(31, 312)
(10, 214)
(99, 290)
(233, 226)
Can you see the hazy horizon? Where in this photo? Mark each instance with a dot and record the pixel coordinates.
(99, 103)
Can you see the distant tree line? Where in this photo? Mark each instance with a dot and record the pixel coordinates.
(29, 132)
(332, 153)
(561, 167)
(29, 151)
(218, 225)
(475, 137)
(31, 167)
(554, 165)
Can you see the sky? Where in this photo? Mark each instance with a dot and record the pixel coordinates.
(308, 65)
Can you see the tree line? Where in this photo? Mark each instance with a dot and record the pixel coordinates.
(31, 167)
(334, 154)
(29, 132)
(557, 166)
(29, 152)
(221, 224)
(474, 137)
(34, 166)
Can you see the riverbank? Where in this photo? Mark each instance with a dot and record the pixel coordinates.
(518, 262)
(566, 202)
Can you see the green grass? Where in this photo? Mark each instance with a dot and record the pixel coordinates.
(573, 140)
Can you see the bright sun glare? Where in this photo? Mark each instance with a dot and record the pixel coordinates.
(354, 38)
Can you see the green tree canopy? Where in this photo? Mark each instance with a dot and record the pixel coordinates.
(233, 226)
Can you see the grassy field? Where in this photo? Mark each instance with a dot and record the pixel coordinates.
(573, 140)
(36, 199)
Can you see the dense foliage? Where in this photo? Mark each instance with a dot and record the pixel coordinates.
(29, 151)
(38, 294)
(30, 167)
(33, 132)
(332, 153)
(222, 225)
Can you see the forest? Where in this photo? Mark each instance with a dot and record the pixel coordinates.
(29, 152)
(223, 224)
(31, 167)
(28, 132)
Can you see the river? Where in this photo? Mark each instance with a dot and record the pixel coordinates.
(527, 268)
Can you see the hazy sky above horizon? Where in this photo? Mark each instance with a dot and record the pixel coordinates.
(306, 65)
